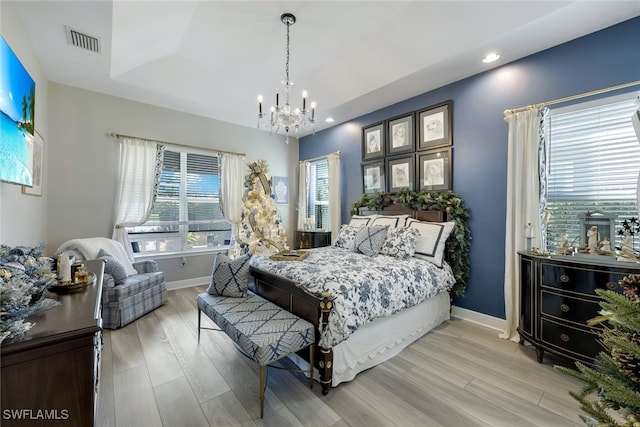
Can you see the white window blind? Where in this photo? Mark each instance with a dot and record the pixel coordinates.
(318, 195)
(594, 159)
(187, 213)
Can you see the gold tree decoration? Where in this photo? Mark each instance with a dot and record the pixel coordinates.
(260, 230)
(610, 395)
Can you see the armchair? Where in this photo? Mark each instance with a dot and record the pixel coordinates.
(123, 301)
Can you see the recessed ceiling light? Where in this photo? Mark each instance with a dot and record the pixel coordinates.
(329, 120)
(492, 56)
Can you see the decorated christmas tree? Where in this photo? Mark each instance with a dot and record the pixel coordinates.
(610, 395)
(260, 230)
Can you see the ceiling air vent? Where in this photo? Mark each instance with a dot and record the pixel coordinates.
(82, 40)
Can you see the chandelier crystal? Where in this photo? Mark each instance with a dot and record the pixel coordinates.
(284, 116)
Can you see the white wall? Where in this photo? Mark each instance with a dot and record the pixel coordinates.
(23, 218)
(83, 157)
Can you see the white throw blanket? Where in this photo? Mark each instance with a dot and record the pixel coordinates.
(90, 246)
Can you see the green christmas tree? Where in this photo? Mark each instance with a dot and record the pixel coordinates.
(260, 230)
(610, 395)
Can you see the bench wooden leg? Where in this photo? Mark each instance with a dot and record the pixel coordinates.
(263, 386)
(311, 366)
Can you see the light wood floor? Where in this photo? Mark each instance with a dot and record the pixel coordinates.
(154, 373)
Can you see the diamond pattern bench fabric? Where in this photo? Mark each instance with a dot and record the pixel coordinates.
(262, 330)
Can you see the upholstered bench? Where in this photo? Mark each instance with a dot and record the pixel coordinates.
(261, 330)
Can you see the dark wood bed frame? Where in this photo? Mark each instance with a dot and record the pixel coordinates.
(288, 295)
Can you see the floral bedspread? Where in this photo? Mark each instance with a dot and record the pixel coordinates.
(364, 287)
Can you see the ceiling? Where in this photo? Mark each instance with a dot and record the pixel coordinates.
(213, 58)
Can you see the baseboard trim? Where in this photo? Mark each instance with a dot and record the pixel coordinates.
(187, 283)
(479, 318)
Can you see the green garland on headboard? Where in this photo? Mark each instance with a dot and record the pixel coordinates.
(459, 241)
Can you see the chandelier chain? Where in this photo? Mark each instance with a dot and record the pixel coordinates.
(287, 64)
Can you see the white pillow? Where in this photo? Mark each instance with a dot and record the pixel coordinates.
(431, 243)
(358, 220)
(393, 221)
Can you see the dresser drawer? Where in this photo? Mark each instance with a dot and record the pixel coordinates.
(581, 280)
(568, 308)
(579, 343)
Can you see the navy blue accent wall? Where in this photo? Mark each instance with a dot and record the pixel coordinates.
(606, 58)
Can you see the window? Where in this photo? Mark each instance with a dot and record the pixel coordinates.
(594, 158)
(186, 215)
(318, 193)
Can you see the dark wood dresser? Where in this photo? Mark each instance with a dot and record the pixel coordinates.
(312, 239)
(51, 376)
(558, 297)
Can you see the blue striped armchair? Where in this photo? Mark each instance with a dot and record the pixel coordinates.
(139, 290)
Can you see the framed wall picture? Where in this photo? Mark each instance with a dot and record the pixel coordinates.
(280, 188)
(401, 135)
(373, 138)
(434, 126)
(400, 173)
(434, 169)
(38, 166)
(373, 178)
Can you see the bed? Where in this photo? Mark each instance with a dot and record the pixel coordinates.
(362, 324)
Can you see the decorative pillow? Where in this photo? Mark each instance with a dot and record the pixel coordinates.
(431, 243)
(346, 237)
(400, 242)
(369, 240)
(230, 278)
(358, 220)
(393, 221)
(113, 266)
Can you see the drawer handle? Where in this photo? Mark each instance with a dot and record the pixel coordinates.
(564, 278)
(564, 337)
(612, 285)
(564, 307)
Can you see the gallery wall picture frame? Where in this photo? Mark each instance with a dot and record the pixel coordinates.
(401, 134)
(373, 141)
(435, 169)
(400, 173)
(280, 189)
(434, 126)
(373, 177)
(38, 166)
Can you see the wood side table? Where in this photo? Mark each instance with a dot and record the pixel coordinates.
(312, 239)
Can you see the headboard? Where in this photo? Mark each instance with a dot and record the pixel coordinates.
(398, 209)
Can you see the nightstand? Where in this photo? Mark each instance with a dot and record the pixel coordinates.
(312, 239)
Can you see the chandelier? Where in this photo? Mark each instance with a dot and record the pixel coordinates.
(284, 116)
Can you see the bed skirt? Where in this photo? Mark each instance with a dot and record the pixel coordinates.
(384, 338)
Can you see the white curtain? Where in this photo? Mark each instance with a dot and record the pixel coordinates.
(231, 191)
(635, 119)
(302, 194)
(335, 213)
(140, 169)
(523, 205)
(232, 185)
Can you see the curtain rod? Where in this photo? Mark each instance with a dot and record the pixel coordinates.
(119, 135)
(573, 97)
(319, 157)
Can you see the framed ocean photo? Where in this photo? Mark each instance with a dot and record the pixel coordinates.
(17, 105)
